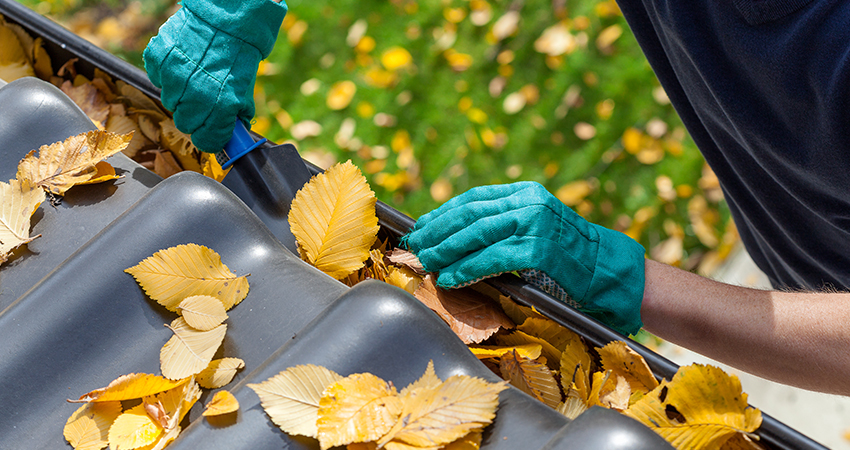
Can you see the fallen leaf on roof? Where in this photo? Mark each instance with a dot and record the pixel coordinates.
(189, 351)
(291, 398)
(202, 312)
(219, 372)
(88, 427)
(223, 402)
(128, 387)
(18, 202)
(171, 275)
(61, 165)
(531, 377)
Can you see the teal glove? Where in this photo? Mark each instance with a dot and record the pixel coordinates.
(491, 230)
(205, 60)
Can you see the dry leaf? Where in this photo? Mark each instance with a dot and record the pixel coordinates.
(518, 313)
(62, 165)
(407, 259)
(89, 99)
(357, 408)
(291, 398)
(88, 427)
(434, 416)
(131, 386)
(333, 219)
(404, 278)
(516, 337)
(134, 428)
(471, 315)
(530, 351)
(202, 312)
(211, 168)
(622, 360)
(219, 372)
(165, 165)
(618, 398)
(223, 402)
(13, 60)
(531, 377)
(428, 380)
(701, 407)
(189, 351)
(18, 202)
(171, 275)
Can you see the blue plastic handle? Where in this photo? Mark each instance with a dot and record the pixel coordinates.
(240, 144)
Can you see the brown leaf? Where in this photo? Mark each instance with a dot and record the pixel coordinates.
(165, 165)
(89, 99)
(402, 257)
(472, 316)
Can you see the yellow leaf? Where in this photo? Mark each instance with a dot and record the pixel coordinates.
(573, 405)
(395, 58)
(404, 278)
(202, 312)
(103, 172)
(223, 402)
(622, 360)
(701, 407)
(471, 315)
(177, 402)
(357, 408)
(13, 60)
(530, 351)
(133, 429)
(438, 415)
(552, 354)
(219, 372)
(189, 351)
(531, 377)
(211, 168)
(341, 94)
(575, 373)
(428, 380)
(131, 386)
(175, 140)
(471, 441)
(88, 427)
(18, 202)
(333, 219)
(518, 313)
(291, 398)
(62, 165)
(171, 275)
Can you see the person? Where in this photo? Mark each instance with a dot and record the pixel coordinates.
(762, 87)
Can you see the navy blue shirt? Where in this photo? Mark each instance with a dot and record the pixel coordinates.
(763, 86)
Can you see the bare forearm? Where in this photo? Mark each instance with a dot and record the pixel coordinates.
(799, 339)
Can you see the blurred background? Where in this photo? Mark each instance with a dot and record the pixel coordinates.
(432, 98)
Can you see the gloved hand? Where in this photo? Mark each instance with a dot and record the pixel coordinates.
(491, 230)
(205, 60)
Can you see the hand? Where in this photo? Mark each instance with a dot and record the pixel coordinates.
(491, 230)
(205, 60)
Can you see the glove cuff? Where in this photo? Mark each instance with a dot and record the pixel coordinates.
(256, 22)
(615, 293)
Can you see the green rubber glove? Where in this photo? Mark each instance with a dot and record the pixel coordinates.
(491, 230)
(205, 60)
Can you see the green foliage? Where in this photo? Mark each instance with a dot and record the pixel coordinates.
(437, 127)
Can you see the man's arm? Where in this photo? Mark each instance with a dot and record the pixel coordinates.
(796, 338)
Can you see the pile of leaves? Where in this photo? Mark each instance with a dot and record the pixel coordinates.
(333, 219)
(112, 105)
(145, 410)
(57, 168)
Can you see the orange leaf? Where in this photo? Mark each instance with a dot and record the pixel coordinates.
(223, 402)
